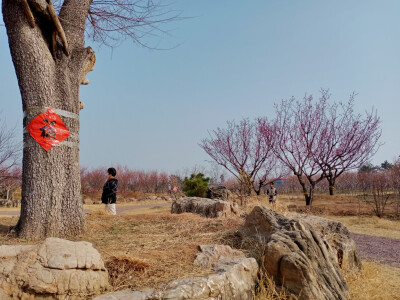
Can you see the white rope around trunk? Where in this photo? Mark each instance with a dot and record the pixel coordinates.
(38, 110)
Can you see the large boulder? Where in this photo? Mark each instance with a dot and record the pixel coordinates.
(218, 192)
(338, 237)
(234, 279)
(56, 268)
(295, 255)
(210, 208)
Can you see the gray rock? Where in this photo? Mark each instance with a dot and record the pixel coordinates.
(56, 268)
(295, 255)
(210, 208)
(218, 192)
(209, 254)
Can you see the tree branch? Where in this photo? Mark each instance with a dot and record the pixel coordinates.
(73, 15)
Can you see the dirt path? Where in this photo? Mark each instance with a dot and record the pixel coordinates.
(379, 249)
(120, 210)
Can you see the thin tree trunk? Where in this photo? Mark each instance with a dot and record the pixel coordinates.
(331, 182)
(312, 187)
(51, 202)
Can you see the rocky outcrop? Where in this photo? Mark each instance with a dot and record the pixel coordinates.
(209, 208)
(296, 255)
(234, 280)
(218, 192)
(56, 268)
(338, 237)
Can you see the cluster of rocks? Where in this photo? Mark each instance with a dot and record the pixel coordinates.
(209, 208)
(234, 279)
(306, 254)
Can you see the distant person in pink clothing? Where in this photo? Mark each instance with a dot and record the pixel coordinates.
(175, 191)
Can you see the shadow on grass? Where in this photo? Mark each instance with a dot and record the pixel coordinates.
(6, 230)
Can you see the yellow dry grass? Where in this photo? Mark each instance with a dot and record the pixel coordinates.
(147, 210)
(371, 225)
(10, 208)
(99, 206)
(268, 290)
(167, 243)
(122, 269)
(375, 282)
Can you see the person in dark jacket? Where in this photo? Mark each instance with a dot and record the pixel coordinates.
(109, 196)
(272, 193)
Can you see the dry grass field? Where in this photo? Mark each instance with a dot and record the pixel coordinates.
(375, 282)
(149, 246)
(371, 225)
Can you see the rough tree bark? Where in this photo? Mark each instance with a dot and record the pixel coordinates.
(48, 77)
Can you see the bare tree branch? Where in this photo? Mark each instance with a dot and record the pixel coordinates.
(109, 22)
(10, 151)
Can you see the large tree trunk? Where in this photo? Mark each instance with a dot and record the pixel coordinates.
(51, 200)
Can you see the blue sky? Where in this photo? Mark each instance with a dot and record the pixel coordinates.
(149, 109)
